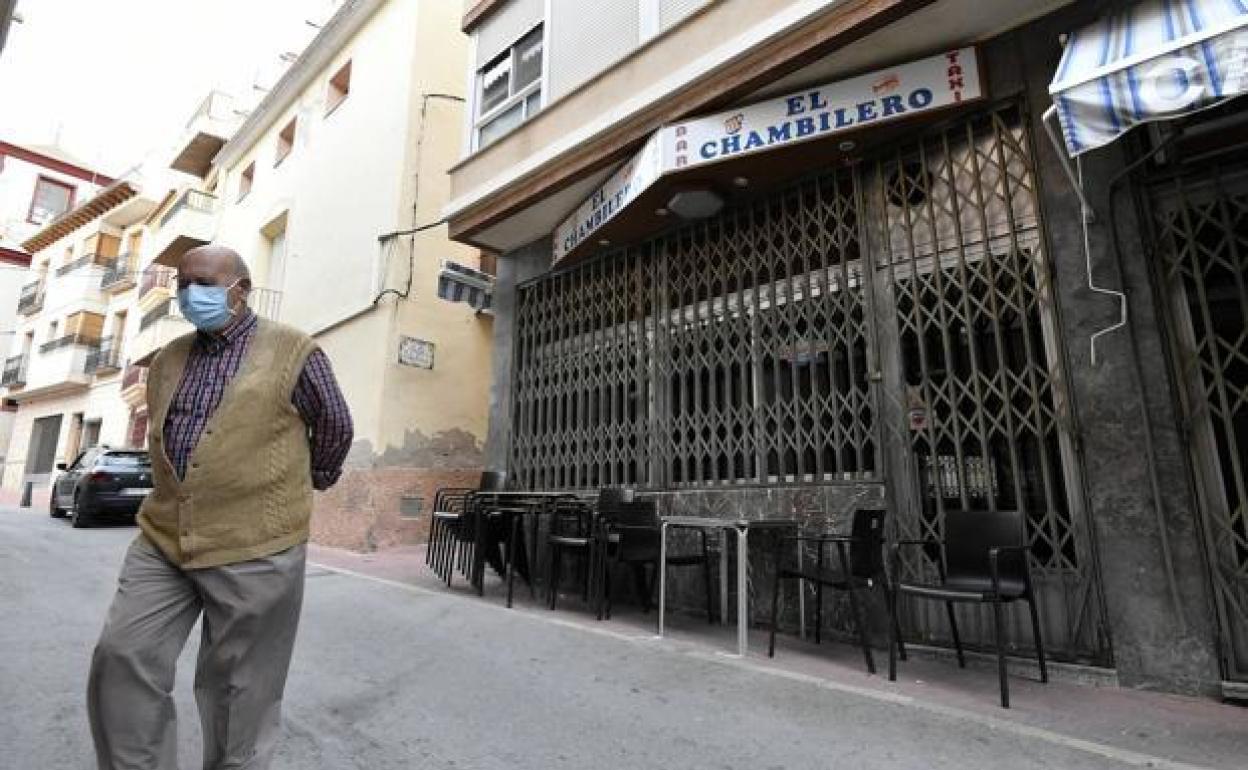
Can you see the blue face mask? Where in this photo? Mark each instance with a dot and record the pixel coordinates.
(208, 307)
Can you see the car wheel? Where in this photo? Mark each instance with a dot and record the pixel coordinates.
(54, 510)
(79, 517)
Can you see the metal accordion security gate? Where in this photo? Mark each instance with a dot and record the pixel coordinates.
(891, 321)
(1199, 217)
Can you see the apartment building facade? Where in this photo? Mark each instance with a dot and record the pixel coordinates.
(784, 257)
(37, 185)
(320, 188)
(73, 330)
(331, 188)
(97, 303)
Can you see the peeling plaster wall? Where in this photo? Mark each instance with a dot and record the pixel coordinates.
(416, 429)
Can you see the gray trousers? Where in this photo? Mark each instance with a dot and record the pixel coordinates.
(250, 615)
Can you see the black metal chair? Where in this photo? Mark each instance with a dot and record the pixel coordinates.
(452, 526)
(860, 565)
(982, 560)
(572, 531)
(629, 535)
(445, 538)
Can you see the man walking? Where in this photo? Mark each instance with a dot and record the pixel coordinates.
(246, 420)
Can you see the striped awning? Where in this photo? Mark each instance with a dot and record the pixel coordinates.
(1154, 60)
(459, 283)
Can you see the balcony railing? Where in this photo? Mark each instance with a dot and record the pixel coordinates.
(104, 358)
(157, 277)
(119, 275)
(266, 303)
(162, 310)
(82, 261)
(69, 340)
(195, 200)
(31, 299)
(133, 377)
(15, 372)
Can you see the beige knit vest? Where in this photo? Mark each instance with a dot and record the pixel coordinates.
(247, 492)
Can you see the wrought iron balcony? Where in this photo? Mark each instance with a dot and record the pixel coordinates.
(69, 340)
(120, 274)
(15, 372)
(193, 200)
(265, 303)
(157, 277)
(133, 377)
(163, 310)
(104, 358)
(82, 261)
(31, 299)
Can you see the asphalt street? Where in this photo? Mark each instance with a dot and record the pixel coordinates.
(390, 678)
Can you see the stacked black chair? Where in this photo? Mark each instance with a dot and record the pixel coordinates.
(859, 567)
(629, 535)
(452, 526)
(982, 560)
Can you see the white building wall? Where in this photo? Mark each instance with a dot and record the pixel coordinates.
(338, 189)
(336, 192)
(100, 397)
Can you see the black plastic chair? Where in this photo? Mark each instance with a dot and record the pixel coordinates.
(860, 565)
(452, 526)
(630, 534)
(983, 560)
(572, 531)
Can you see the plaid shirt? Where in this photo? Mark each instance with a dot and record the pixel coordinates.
(215, 359)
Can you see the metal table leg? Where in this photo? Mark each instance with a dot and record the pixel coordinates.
(662, 573)
(478, 550)
(801, 593)
(511, 556)
(743, 590)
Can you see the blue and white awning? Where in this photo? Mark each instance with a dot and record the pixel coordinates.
(1155, 60)
(460, 283)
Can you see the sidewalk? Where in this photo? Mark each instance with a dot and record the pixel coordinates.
(1079, 709)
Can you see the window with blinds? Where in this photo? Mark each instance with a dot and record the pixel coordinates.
(509, 87)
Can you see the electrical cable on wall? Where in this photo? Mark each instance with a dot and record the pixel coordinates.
(387, 241)
(388, 238)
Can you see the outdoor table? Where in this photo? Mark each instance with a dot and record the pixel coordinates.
(741, 527)
(514, 504)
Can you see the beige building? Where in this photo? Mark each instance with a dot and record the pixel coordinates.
(75, 325)
(37, 185)
(348, 148)
(332, 189)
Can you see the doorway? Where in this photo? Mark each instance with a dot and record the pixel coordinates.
(44, 435)
(1199, 218)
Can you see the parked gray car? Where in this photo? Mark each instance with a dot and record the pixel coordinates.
(102, 482)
